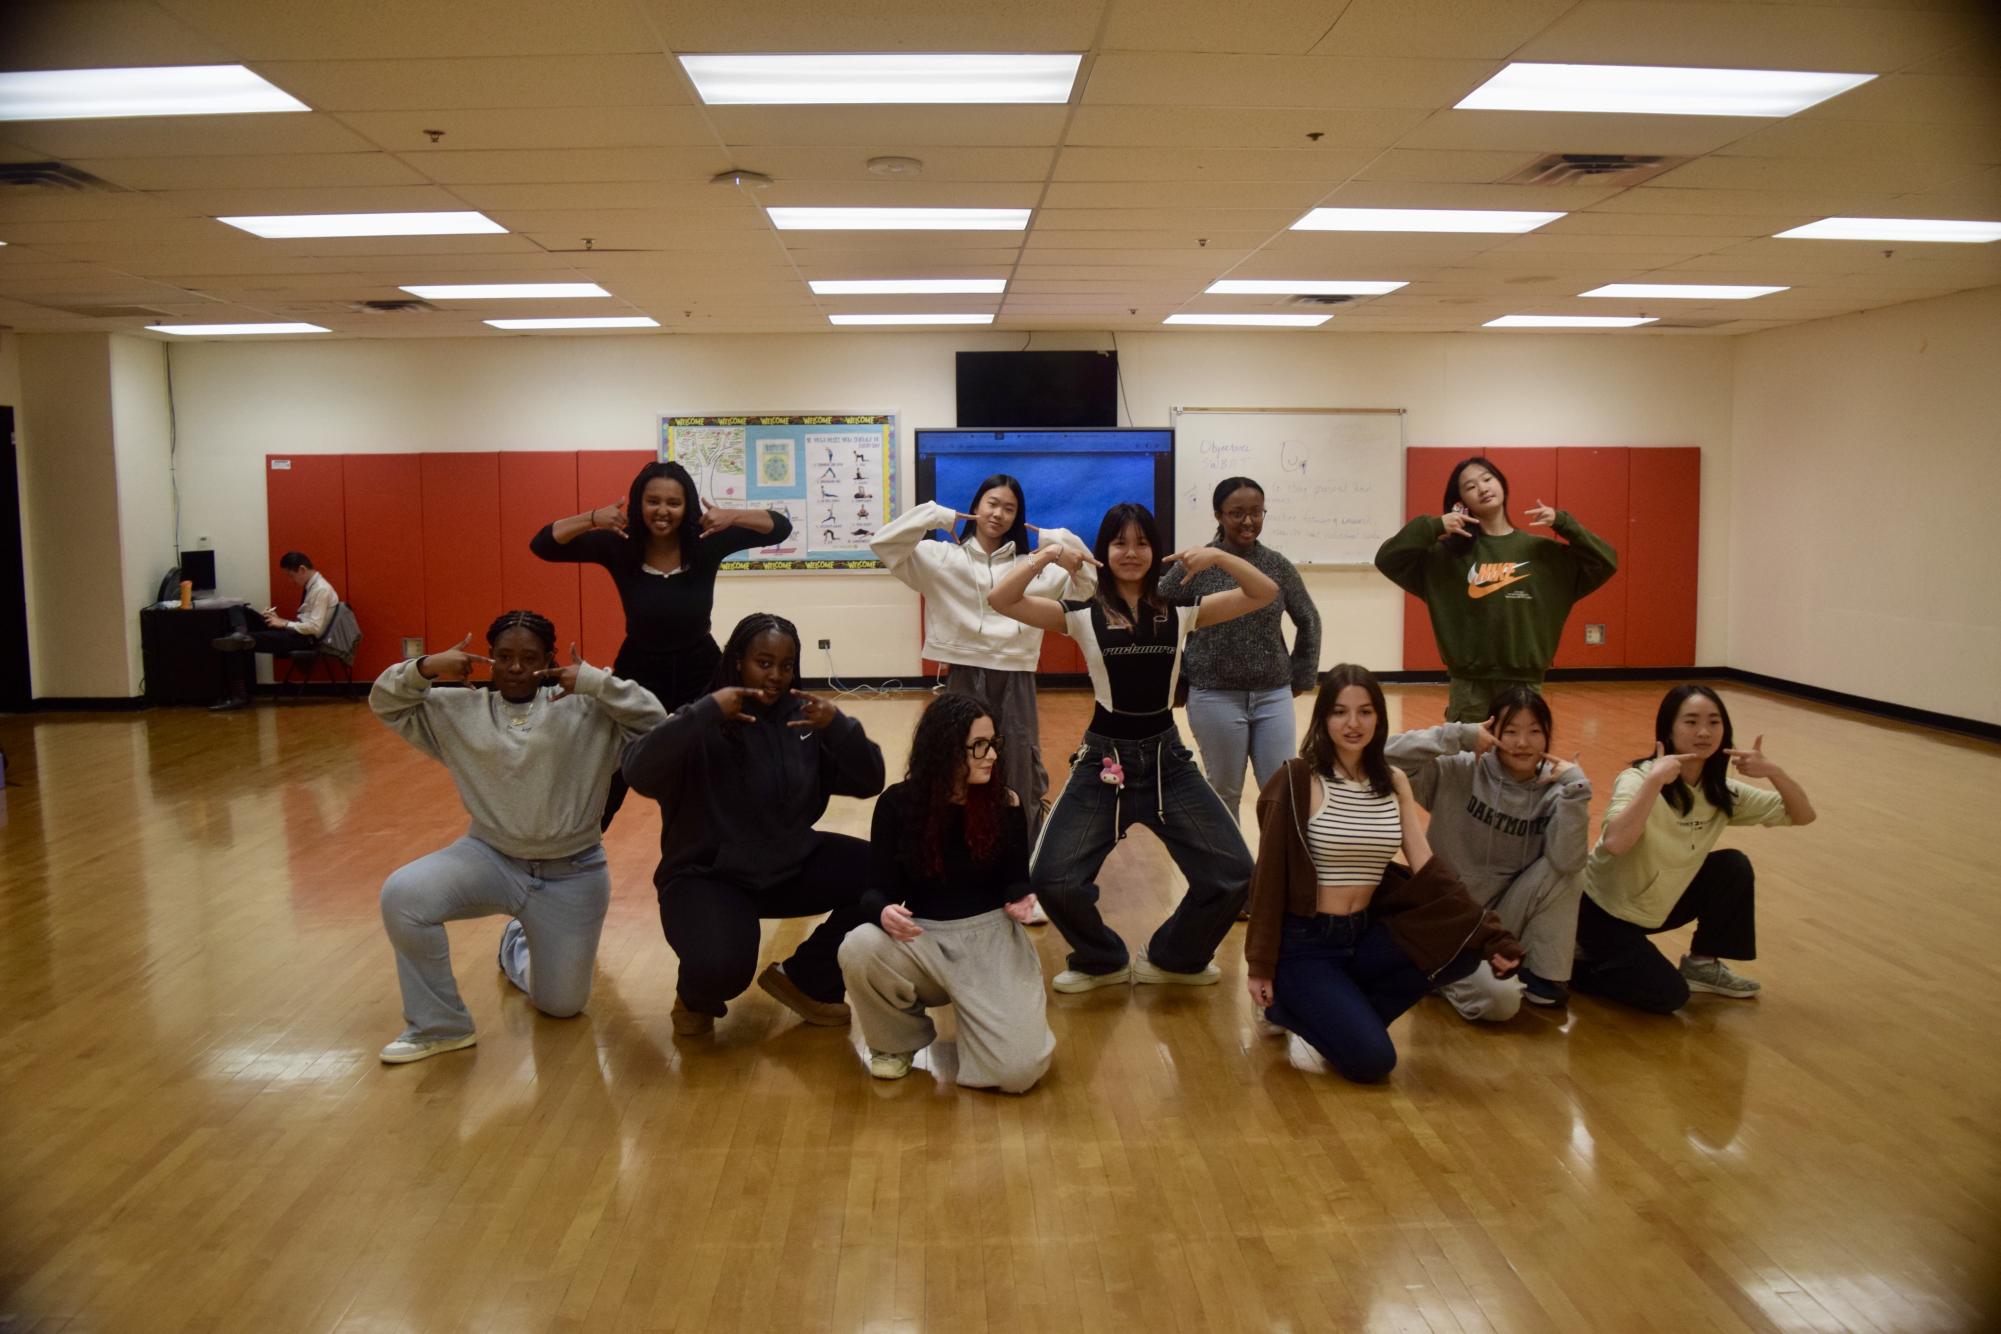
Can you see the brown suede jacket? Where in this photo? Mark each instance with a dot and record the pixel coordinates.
(1430, 915)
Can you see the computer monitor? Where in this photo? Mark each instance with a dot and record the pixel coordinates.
(199, 567)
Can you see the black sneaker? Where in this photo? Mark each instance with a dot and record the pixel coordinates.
(235, 642)
(1542, 991)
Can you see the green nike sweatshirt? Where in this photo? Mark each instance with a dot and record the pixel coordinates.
(1497, 607)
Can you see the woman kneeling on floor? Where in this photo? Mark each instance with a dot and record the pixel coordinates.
(1341, 941)
(741, 775)
(531, 758)
(947, 901)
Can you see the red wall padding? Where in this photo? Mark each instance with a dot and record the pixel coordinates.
(1591, 484)
(461, 547)
(535, 488)
(385, 541)
(303, 500)
(1658, 566)
(604, 477)
(1645, 501)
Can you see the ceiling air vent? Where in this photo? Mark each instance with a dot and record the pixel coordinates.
(1682, 322)
(1593, 168)
(1330, 299)
(406, 306)
(23, 177)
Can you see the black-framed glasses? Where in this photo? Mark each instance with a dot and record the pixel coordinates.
(982, 747)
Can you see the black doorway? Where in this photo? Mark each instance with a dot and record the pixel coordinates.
(16, 693)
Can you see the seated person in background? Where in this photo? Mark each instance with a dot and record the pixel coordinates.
(947, 899)
(316, 607)
(531, 758)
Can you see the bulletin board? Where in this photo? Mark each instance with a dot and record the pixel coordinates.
(832, 474)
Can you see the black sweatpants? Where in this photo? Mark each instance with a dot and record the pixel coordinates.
(712, 925)
(1615, 959)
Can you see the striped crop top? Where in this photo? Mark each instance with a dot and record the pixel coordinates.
(1354, 835)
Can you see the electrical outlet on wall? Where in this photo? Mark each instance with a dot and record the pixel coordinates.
(1594, 634)
(413, 647)
(827, 644)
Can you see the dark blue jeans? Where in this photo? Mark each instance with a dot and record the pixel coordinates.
(1340, 983)
(1165, 792)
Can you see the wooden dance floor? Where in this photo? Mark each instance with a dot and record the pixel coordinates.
(195, 1133)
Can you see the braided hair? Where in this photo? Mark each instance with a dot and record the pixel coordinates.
(729, 668)
(937, 764)
(534, 623)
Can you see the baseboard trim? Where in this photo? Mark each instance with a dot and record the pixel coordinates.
(87, 703)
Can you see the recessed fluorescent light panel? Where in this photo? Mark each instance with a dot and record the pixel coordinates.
(233, 330)
(1895, 229)
(174, 90)
(1298, 287)
(769, 80)
(1421, 220)
(591, 322)
(1683, 291)
(504, 291)
(899, 219)
(906, 286)
(1253, 321)
(1568, 321)
(1657, 90)
(283, 226)
(910, 319)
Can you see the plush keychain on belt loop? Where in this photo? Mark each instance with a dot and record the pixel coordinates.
(1111, 771)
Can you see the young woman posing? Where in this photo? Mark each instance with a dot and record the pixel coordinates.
(1498, 597)
(531, 759)
(663, 547)
(948, 897)
(1241, 677)
(742, 775)
(1341, 942)
(992, 657)
(1515, 822)
(1657, 867)
(1132, 767)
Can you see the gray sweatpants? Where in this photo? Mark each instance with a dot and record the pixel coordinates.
(1010, 697)
(1540, 907)
(984, 967)
(558, 909)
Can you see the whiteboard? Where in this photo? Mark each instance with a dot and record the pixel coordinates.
(1333, 477)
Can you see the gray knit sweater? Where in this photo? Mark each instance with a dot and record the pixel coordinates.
(1249, 653)
(532, 776)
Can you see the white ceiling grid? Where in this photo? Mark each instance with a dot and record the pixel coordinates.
(1198, 133)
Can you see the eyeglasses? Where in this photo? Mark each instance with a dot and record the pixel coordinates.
(1239, 516)
(984, 747)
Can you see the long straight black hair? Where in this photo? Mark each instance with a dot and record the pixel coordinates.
(1318, 748)
(690, 531)
(1459, 545)
(1017, 534)
(1715, 769)
(1116, 520)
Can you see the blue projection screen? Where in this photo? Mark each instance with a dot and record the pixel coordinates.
(1070, 477)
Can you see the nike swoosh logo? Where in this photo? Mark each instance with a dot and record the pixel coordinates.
(1481, 590)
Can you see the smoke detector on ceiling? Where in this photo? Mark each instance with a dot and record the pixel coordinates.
(742, 180)
(895, 166)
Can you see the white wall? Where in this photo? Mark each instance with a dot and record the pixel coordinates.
(141, 446)
(1867, 448)
(238, 402)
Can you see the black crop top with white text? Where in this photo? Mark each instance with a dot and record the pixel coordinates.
(1133, 669)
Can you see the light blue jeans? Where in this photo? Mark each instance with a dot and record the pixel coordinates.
(1232, 725)
(558, 909)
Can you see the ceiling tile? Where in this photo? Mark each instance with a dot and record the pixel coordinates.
(874, 25)
(691, 165)
(1240, 127)
(797, 165)
(538, 128)
(1909, 142)
(1745, 36)
(1563, 132)
(483, 83)
(1136, 79)
(188, 136)
(229, 203)
(1927, 99)
(1288, 27)
(1207, 164)
(998, 126)
(250, 170)
(1446, 167)
(372, 29)
(101, 34)
(1185, 194)
(1870, 175)
(1485, 29)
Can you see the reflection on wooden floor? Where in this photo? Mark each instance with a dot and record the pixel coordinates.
(195, 1133)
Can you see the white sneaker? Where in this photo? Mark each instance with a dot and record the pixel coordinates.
(1037, 917)
(1070, 981)
(888, 1064)
(1145, 972)
(403, 1051)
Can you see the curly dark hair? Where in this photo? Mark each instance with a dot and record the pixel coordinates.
(690, 531)
(1715, 769)
(729, 667)
(1318, 748)
(937, 765)
(534, 623)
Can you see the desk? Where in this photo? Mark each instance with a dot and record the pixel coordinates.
(182, 666)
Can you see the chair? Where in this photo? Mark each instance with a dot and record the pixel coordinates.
(335, 647)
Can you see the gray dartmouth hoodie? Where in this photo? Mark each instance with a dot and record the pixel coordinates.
(1487, 826)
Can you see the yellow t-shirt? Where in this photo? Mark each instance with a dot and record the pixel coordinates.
(1643, 884)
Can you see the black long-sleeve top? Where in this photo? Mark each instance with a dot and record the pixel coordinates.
(964, 887)
(739, 799)
(668, 611)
